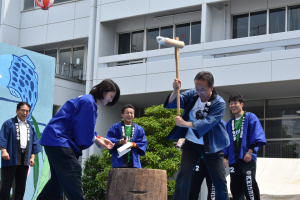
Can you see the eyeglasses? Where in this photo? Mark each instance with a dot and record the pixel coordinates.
(202, 91)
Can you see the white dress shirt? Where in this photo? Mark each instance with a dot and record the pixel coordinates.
(23, 133)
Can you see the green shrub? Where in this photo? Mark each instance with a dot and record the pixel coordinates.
(161, 153)
(90, 186)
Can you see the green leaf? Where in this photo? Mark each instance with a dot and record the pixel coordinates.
(160, 154)
(44, 175)
(36, 166)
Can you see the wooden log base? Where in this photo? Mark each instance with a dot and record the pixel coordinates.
(137, 184)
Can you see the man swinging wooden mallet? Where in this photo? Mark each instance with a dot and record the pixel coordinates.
(177, 44)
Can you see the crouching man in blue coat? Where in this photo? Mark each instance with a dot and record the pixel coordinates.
(205, 134)
(123, 132)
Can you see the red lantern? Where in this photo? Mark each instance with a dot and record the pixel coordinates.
(44, 4)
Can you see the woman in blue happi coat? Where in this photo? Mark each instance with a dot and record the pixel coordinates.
(69, 132)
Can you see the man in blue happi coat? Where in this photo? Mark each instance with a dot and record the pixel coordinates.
(246, 136)
(205, 134)
(18, 144)
(123, 132)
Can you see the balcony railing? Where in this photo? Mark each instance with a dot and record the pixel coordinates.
(282, 149)
(71, 70)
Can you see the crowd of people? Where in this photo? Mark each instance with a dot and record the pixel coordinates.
(208, 144)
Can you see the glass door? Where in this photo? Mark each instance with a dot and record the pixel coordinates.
(77, 62)
(65, 62)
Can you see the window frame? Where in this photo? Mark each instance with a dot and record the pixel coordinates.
(265, 118)
(173, 26)
(71, 57)
(249, 23)
(285, 19)
(147, 30)
(268, 20)
(248, 26)
(145, 44)
(37, 7)
(191, 32)
(249, 16)
(287, 7)
(130, 41)
(34, 5)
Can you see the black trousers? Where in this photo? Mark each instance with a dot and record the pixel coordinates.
(8, 174)
(200, 172)
(242, 181)
(191, 154)
(65, 175)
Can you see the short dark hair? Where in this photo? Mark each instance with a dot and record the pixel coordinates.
(205, 76)
(127, 106)
(107, 85)
(20, 104)
(236, 97)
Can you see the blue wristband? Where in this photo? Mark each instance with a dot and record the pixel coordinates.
(249, 153)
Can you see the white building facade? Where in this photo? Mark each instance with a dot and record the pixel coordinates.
(250, 46)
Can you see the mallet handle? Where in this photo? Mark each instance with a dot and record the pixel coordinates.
(177, 76)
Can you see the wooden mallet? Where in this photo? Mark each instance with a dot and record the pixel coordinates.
(177, 44)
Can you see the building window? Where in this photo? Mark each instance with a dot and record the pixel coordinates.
(137, 41)
(283, 108)
(151, 38)
(124, 43)
(70, 62)
(294, 18)
(255, 23)
(257, 26)
(258, 23)
(240, 26)
(131, 42)
(256, 107)
(281, 121)
(195, 32)
(52, 53)
(277, 20)
(65, 62)
(189, 33)
(30, 4)
(183, 32)
(166, 31)
(60, 1)
(77, 62)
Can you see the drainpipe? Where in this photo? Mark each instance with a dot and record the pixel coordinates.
(225, 20)
(96, 56)
(91, 46)
(97, 42)
(90, 58)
